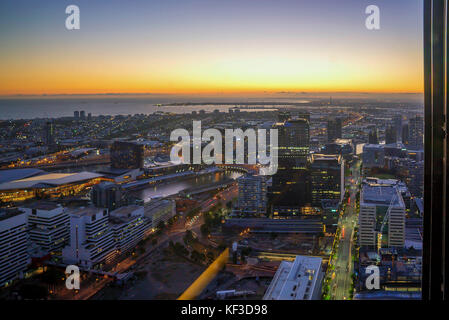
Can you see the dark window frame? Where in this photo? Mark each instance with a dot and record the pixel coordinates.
(436, 225)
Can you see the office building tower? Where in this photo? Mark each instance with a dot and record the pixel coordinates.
(390, 135)
(127, 155)
(14, 257)
(373, 156)
(405, 134)
(49, 133)
(397, 125)
(334, 129)
(252, 199)
(48, 226)
(107, 195)
(327, 178)
(82, 115)
(416, 133)
(91, 240)
(89, 116)
(297, 280)
(373, 137)
(76, 115)
(291, 184)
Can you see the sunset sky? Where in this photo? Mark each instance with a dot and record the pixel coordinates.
(209, 46)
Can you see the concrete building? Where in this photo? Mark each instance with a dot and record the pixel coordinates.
(48, 226)
(107, 195)
(297, 280)
(416, 132)
(14, 257)
(379, 198)
(373, 156)
(327, 178)
(252, 199)
(127, 155)
(91, 239)
(128, 225)
(334, 129)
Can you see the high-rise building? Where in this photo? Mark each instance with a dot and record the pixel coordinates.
(291, 185)
(373, 137)
(297, 280)
(48, 226)
(416, 132)
(397, 124)
(334, 130)
(82, 115)
(405, 134)
(382, 208)
(91, 240)
(127, 155)
(373, 156)
(390, 135)
(49, 133)
(14, 257)
(76, 115)
(107, 195)
(327, 178)
(252, 199)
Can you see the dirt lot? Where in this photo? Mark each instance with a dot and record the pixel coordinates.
(164, 276)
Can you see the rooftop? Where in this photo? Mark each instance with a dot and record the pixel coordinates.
(42, 205)
(86, 211)
(50, 179)
(16, 174)
(295, 280)
(9, 213)
(378, 194)
(124, 211)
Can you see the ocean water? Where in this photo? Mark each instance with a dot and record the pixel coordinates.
(64, 106)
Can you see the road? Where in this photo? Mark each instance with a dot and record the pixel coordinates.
(341, 279)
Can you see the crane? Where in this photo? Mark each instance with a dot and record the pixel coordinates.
(387, 216)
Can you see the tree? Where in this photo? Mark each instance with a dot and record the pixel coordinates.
(161, 225)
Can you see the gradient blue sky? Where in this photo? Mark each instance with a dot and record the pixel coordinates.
(189, 46)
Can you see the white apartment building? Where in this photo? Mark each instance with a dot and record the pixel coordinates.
(297, 280)
(48, 226)
(14, 257)
(128, 225)
(91, 239)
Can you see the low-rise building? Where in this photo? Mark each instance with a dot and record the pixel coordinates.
(48, 226)
(128, 225)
